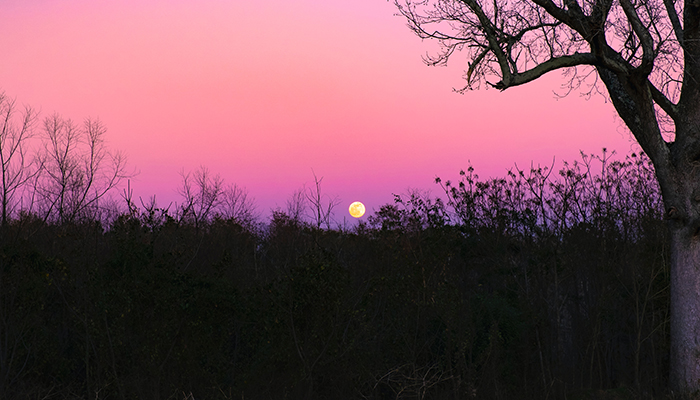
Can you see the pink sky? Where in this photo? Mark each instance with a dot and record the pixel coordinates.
(264, 91)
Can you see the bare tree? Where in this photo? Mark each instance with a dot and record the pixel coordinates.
(77, 169)
(646, 55)
(296, 205)
(321, 205)
(205, 197)
(202, 195)
(236, 205)
(15, 167)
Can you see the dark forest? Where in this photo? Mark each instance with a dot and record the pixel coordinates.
(544, 284)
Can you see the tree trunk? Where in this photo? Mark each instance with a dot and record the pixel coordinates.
(685, 310)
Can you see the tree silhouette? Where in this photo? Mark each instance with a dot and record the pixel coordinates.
(16, 169)
(321, 210)
(77, 169)
(646, 55)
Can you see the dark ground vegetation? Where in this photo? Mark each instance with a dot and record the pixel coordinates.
(540, 285)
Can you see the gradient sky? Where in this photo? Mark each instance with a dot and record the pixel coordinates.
(263, 92)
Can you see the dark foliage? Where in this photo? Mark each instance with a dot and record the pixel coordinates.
(538, 285)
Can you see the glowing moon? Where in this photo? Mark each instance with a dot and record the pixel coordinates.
(357, 209)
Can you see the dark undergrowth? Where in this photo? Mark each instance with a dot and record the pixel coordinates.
(540, 285)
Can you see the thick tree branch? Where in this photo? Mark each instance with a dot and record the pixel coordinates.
(648, 53)
(576, 21)
(474, 64)
(675, 21)
(663, 102)
(574, 8)
(558, 13)
(635, 105)
(491, 37)
(544, 67)
(599, 14)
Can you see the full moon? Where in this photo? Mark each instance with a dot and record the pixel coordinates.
(357, 209)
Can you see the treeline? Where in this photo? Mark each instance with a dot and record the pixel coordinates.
(544, 284)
